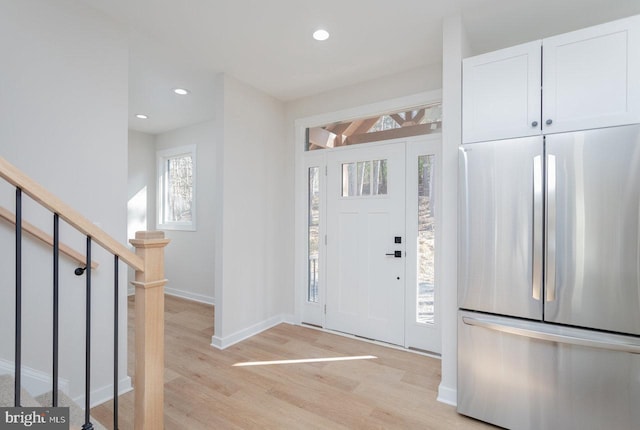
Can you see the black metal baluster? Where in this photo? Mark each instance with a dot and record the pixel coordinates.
(87, 388)
(115, 342)
(56, 268)
(18, 337)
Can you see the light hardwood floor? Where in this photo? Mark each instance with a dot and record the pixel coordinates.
(204, 390)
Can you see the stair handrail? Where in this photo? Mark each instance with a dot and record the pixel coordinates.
(37, 192)
(46, 238)
(148, 262)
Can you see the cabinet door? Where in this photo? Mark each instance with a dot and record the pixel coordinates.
(590, 77)
(501, 94)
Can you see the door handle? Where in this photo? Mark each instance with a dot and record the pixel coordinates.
(396, 254)
(554, 334)
(537, 227)
(550, 279)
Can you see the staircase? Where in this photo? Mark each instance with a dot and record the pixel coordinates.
(76, 414)
(148, 263)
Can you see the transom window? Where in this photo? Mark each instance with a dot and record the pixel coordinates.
(406, 123)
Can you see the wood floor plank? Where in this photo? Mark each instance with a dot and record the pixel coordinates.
(204, 390)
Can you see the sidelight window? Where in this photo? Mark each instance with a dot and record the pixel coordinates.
(313, 233)
(426, 240)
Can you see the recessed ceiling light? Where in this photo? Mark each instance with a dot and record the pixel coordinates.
(321, 34)
(141, 116)
(181, 91)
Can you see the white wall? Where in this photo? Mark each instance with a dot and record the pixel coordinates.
(253, 197)
(455, 48)
(141, 214)
(141, 185)
(63, 104)
(189, 256)
(386, 88)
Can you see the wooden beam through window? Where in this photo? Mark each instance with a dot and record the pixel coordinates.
(322, 138)
(398, 119)
(395, 133)
(365, 126)
(407, 124)
(418, 117)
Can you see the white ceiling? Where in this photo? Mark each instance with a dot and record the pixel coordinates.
(268, 44)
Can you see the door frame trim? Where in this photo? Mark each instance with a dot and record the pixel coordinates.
(300, 205)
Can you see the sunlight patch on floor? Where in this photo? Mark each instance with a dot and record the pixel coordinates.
(305, 360)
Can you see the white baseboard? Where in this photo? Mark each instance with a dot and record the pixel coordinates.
(34, 381)
(239, 336)
(190, 296)
(447, 395)
(105, 393)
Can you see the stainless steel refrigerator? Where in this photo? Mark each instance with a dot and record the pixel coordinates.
(549, 281)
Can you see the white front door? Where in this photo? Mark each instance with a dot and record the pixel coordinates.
(365, 293)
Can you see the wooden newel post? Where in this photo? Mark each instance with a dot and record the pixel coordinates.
(149, 331)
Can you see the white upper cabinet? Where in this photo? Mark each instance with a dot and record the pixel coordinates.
(501, 94)
(590, 78)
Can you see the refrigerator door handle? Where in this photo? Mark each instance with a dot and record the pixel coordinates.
(500, 326)
(550, 279)
(538, 205)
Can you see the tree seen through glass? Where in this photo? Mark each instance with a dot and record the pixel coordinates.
(426, 241)
(180, 189)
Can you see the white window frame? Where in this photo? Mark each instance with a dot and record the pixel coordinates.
(162, 156)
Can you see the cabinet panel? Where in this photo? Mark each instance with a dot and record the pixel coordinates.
(502, 94)
(590, 77)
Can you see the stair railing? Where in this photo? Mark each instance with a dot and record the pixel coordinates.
(148, 263)
(47, 239)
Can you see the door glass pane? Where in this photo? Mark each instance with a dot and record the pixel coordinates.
(313, 233)
(379, 177)
(426, 240)
(349, 180)
(364, 178)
